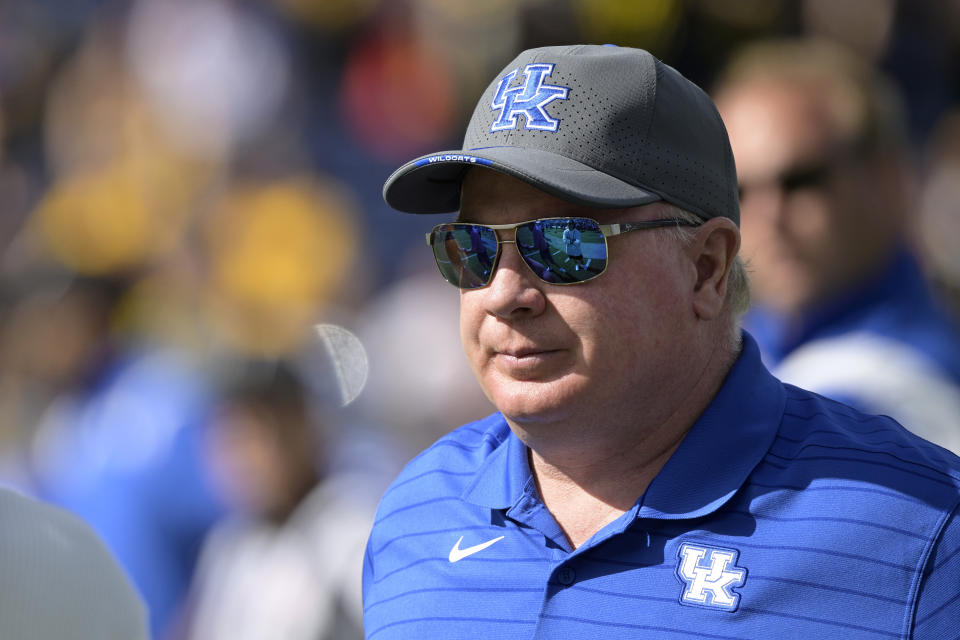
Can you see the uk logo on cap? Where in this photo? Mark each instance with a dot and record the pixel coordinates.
(527, 99)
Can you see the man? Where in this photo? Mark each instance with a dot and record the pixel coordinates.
(645, 476)
(571, 244)
(842, 307)
(268, 571)
(57, 579)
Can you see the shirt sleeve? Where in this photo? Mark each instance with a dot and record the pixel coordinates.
(938, 601)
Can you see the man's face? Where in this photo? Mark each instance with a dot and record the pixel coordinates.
(804, 204)
(547, 352)
(254, 468)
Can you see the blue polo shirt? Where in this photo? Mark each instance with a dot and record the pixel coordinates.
(782, 514)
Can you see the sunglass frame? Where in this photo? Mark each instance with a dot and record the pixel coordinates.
(606, 230)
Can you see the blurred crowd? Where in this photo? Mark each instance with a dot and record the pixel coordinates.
(191, 187)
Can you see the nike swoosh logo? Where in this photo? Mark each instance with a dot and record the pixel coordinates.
(457, 554)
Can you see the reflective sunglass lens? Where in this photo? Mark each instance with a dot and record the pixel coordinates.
(465, 254)
(563, 250)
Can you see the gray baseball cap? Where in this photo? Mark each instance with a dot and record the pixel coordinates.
(598, 125)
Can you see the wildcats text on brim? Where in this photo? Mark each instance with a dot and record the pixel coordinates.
(450, 157)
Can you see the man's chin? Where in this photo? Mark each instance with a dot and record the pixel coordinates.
(533, 401)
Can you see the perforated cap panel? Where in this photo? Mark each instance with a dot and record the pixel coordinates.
(598, 125)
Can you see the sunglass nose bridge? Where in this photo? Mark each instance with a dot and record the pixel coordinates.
(500, 230)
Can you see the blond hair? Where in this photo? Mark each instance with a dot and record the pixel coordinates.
(864, 107)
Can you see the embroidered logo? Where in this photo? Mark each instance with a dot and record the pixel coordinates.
(528, 99)
(709, 576)
(457, 554)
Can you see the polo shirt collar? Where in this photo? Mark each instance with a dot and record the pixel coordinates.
(724, 445)
(504, 478)
(712, 462)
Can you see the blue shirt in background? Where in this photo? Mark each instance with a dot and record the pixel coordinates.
(886, 347)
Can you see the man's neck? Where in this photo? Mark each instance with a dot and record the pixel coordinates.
(586, 497)
(588, 474)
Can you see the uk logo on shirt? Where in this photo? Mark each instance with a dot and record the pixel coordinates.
(528, 99)
(709, 576)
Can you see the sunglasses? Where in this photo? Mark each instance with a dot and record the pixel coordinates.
(557, 250)
(810, 176)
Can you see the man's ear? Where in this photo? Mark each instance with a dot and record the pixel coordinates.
(716, 244)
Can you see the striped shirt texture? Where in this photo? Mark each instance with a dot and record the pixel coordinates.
(782, 514)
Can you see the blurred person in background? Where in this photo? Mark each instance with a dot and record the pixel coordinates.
(50, 339)
(158, 182)
(287, 563)
(940, 211)
(118, 439)
(841, 305)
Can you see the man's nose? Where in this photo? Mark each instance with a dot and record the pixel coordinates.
(514, 289)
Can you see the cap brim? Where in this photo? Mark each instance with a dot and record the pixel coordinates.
(431, 183)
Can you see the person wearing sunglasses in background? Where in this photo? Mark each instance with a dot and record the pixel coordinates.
(645, 476)
(841, 305)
